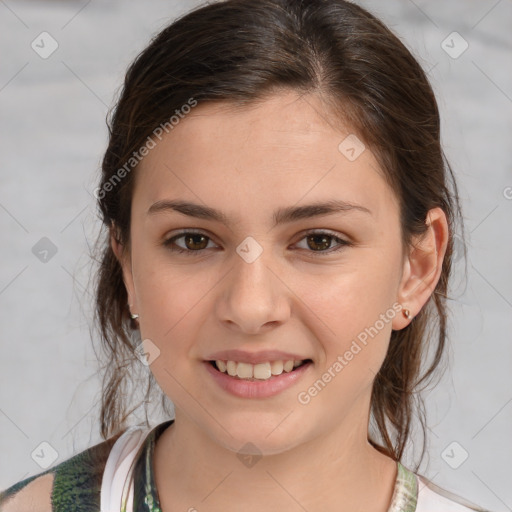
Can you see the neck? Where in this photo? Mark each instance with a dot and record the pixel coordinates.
(338, 470)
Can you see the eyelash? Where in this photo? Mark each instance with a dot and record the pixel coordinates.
(342, 243)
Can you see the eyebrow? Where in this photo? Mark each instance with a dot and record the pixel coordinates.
(280, 216)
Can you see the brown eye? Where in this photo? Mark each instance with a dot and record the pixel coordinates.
(322, 243)
(193, 243)
(319, 242)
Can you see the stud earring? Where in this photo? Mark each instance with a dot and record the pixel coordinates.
(134, 316)
(407, 314)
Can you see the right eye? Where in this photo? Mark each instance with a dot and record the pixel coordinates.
(194, 242)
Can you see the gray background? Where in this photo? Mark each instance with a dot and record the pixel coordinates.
(52, 138)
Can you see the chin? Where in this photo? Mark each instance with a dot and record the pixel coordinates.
(253, 436)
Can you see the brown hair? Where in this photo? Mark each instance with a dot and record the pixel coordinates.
(240, 51)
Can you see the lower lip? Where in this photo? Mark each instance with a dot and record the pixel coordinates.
(257, 388)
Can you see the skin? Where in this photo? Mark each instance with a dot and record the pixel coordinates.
(248, 162)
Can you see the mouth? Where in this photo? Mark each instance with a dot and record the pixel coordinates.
(260, 372)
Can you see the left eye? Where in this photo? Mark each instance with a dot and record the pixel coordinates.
(318, 242)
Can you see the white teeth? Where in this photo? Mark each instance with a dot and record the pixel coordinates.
(276, 367)
(244, 370)
(231, 368)
(288, 366)
(261, 371)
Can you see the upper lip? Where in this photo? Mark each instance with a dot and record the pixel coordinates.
(242, 356)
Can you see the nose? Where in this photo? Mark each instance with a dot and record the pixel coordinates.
(253, 298)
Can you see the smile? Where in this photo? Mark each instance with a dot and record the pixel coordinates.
(261, 371)
(261, 380)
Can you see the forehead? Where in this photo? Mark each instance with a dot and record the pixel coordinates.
(283, 149)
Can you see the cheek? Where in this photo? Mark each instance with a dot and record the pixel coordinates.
(351, 310)
(352, 322)
(170, 301)
(172, 315)
(170, 297)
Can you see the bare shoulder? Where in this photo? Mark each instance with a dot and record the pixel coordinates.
(33, 497)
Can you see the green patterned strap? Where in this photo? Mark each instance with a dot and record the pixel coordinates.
(145, 493)
(405, 495)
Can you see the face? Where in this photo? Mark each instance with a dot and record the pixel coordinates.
(269, 278)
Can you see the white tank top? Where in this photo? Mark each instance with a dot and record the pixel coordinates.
(117, 482)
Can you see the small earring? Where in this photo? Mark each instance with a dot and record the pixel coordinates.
(407, 314)
(132, 315)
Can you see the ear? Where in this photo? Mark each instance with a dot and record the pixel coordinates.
(123, 256)
(422, 266)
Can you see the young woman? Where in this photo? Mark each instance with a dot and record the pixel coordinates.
(280, 217)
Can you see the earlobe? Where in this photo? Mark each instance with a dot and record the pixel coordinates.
(422, 267)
